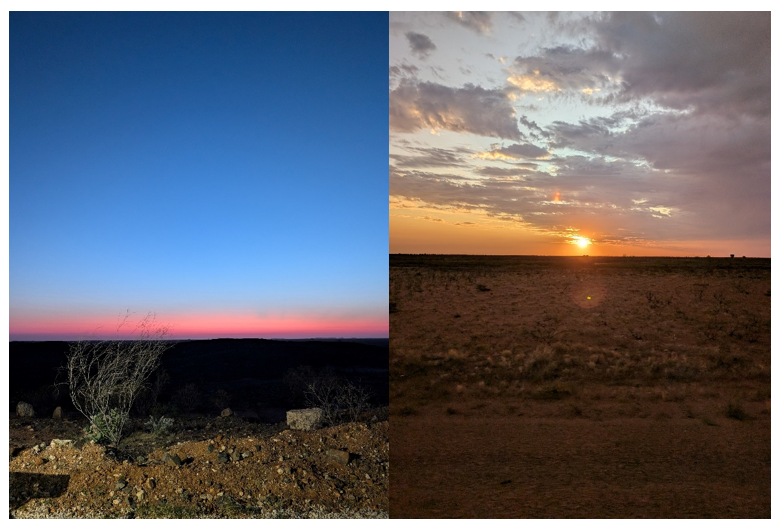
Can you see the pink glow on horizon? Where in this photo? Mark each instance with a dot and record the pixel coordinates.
(203, 326)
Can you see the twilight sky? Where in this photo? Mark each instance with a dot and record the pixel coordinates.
(580, 133)
(223, 170)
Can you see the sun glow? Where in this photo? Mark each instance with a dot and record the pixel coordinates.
(582, 242)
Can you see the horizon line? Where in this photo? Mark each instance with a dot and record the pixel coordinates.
(734, 256)
(317, 338)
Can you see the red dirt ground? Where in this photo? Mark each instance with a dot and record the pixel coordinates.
(580, 387)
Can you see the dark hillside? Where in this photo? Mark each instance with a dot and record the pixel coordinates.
(249, 370)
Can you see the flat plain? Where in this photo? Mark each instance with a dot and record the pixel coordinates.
(580, 387)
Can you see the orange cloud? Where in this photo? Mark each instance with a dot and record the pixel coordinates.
(533, 83)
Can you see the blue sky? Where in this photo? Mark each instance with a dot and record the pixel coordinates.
(224, 170)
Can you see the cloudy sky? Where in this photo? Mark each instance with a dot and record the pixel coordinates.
(580, 133)
(223, 170)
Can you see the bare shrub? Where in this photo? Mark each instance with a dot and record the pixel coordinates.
(300, 378)
(749, 327)
(541, 364)
(149, 394)
(741, 287)
(352, 400)
(656, 302)
(698, 291)
(724, 362)
(105, 377)
(338, 398)
(546, 330)
(188, 398)
(720, 301)
(220, 399)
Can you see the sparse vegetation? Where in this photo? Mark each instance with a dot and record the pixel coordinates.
(339, 399)
(188, 398)
(159, 425)
(106, 377)
(566, 356)
(546, 330)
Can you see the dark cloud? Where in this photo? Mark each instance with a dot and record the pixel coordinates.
(529, 124)
(592, 135)
(429, 157)
(714, 62)
(565, 68)
(494, 171)
(700, 62)
(403, 70)
(470, 109)
(421, 45)
(517, 151)
(478, 21)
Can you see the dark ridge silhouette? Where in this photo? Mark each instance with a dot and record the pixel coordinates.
(250, 370)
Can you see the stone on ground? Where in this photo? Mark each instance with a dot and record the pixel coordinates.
(305, 419)
(24, 409)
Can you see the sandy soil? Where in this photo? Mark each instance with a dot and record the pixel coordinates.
(586, 387)
(227, 468)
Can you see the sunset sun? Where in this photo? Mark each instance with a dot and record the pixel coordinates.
(582, 242)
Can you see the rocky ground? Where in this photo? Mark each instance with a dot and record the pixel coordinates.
(207, 467)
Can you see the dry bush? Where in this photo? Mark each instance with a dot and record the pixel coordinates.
(546, 330)
(541, 364)
(220, 399)
(698, 290)
(656, 302)
(338, 398)
(149, 394)
(188, 398)
(105, 377)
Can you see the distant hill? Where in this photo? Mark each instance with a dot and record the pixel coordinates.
(251, 370)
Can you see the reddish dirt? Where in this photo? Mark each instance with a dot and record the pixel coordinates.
(229, 468)
(580, 387)
(469, 466)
